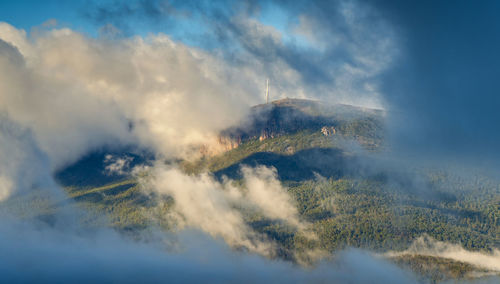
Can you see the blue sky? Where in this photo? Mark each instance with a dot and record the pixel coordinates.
(25, 14)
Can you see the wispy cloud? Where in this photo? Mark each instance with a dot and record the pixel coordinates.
(429, 247)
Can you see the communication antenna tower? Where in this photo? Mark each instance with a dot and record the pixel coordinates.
(267, 91)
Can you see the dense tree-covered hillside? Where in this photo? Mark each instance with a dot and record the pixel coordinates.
(337, 180)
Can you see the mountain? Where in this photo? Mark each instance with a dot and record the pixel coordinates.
(327, 157)
(289, 116)
(293, 132)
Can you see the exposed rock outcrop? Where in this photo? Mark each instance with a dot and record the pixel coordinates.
(328, 130)
(228, 142)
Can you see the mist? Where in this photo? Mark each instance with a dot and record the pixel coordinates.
(443, 90)
(170, 89)
(64, 249)
(218, 208)
(427, 246)
(48, 255)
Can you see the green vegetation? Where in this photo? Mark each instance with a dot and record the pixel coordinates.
(371, 214)
(364, 212)
(286, 145)
(439, 269)
(347, 207)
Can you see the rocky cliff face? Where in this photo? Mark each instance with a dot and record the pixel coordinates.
(228, 142)
(328, 130)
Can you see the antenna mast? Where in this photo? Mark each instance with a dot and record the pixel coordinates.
(267, 91)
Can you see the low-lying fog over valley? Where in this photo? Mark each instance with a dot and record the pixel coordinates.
(258, 141)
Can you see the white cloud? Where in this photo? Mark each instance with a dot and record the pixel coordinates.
(23, 166)
(427, 246)
(205, 204)
(216, 208)
(117, 165)
(78, 93)
(6, 187)
(265, 191)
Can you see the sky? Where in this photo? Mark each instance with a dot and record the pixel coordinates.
(435, 63)
(28, 14)
(168, 76)
(84, 16)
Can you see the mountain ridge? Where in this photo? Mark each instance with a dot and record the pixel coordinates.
(289, 116)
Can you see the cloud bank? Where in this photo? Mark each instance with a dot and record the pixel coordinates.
(78, 94)
(48, 255)
(217, 208)
(330, 50)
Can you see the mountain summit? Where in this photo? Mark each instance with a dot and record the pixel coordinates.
(290, 116)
